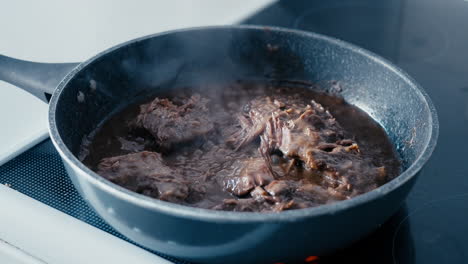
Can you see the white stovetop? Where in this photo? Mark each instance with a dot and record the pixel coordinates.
(72, 31)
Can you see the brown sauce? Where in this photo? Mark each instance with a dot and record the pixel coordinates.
(243, 147)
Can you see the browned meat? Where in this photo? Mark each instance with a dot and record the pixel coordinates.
(311, 135)
(169, 122)
(243, 148)
(253, 120)
(277, 188)
(145, 172)
(246, 175)
(259, 194)
(296, 131)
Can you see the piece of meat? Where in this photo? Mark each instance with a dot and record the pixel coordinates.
(247, 174)
(296, 131)
(311, 135)
(260, 195)
(145, 172)
(253, 120)
(307, 133)
(277, 188)
(170, 123)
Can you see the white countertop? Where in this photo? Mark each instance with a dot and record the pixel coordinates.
(72, 31)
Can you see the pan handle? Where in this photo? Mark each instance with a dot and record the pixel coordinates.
(39, 79)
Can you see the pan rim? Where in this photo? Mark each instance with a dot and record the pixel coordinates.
(246, 217)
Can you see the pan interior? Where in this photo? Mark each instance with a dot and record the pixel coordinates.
(196, 57)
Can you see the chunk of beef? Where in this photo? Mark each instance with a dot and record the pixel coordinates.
(170, 123)
(296, 131)
(259, 194)
(277, 188)
(280, 196)
(145, 172)
(247, 174)
(311, 134)
(348, 171)
(253, 120)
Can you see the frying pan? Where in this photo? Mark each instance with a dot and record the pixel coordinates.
(85, 94)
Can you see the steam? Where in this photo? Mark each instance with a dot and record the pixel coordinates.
(206, 57)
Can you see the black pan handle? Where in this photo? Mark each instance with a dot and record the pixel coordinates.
(39, 79)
